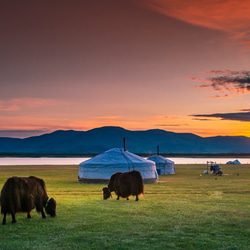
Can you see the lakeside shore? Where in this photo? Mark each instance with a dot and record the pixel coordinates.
(90, 155)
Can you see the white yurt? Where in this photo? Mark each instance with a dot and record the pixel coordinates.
(100, 168)
(163, 166)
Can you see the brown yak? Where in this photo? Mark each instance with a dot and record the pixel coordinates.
(125, 185)
(22, 194)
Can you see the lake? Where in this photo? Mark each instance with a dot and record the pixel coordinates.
(76, 161)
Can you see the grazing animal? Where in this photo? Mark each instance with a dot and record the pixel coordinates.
(22, 194)
(125, 185)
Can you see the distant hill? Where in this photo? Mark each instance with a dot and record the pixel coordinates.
(101, 139)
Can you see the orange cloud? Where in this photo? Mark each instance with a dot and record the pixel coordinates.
(17, 104)
(246, 45)
(231, 16)
(248, 110)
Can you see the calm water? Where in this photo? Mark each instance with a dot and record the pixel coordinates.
(76, 161)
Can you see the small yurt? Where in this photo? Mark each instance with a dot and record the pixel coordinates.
(100, 168)
(163, 166)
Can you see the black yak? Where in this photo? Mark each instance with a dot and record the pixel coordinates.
(22, 194)
(125, 185)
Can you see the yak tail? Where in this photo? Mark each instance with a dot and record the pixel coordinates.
(140, 183)
(142, 186)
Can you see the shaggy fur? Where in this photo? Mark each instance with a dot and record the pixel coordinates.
(22, 194)
(125, 185)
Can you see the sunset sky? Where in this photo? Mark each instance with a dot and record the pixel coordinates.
(181, 66)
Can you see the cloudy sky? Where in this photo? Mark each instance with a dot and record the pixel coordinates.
(181, 66)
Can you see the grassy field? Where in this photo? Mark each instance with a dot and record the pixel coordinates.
(189, 210)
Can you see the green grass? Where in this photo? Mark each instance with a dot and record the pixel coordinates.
(188, 210)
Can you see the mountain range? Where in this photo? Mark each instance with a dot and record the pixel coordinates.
(101, 139)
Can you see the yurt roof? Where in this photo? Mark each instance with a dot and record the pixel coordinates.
(159, 159)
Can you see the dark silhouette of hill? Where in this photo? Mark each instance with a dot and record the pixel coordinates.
(100, 139)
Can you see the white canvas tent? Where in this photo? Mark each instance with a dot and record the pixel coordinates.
(101, 167)
(163, 166)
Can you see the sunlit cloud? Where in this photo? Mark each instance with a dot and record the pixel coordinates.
(219, 96)
(226, 83)
(108, 117)
(202, 119)
(27, 122)
(246, 42)
(246, 45)
(231, 16)
(170, 125)
(17, 104)
(247, 110)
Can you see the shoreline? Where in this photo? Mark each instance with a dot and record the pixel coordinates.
(90, 155)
